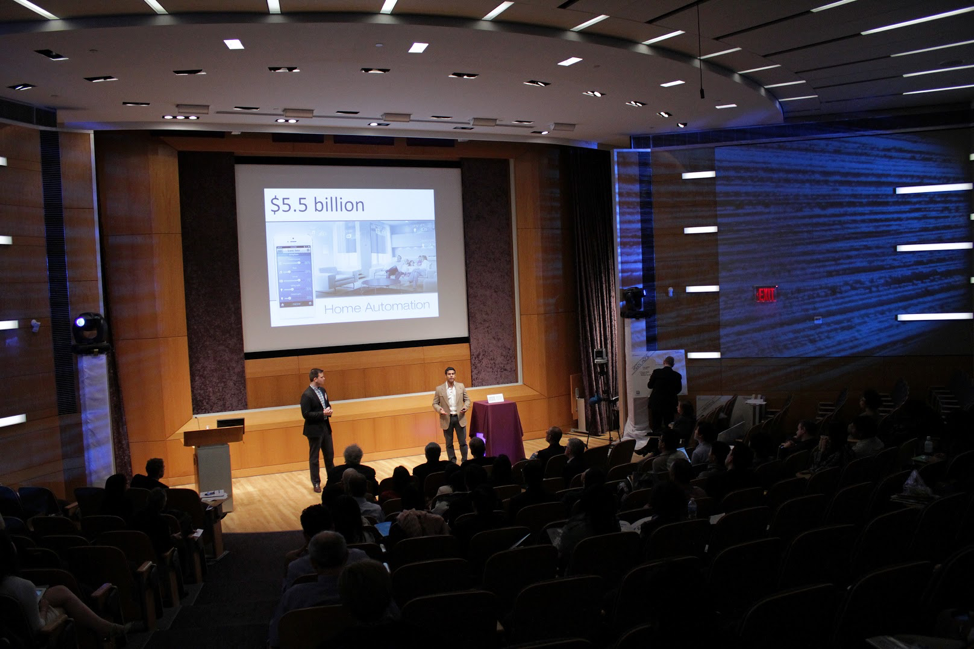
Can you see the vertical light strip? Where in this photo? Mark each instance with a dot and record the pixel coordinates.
(691, 175)
(36, 9)
(698, 355)
(8, 324)
(12, 420)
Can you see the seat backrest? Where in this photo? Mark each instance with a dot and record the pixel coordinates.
(637, 498)
(621, 471)
(797, 515)
(507, 573)
(433, 482)
(503, 492)
(484, 545)
(308, 628)
(857, 471)
(883, 541)
(621, 453)
(818, 555)
(89, 499)
(559, 608)
(96, 525)
(885, 462)
(882, 602)
(951, 584)
(961, 471)
(555, 466)
(936, 528)
(879, 501)
(137, 496)
(517, 471)
(135, 544)
(609, 556)
(596, 456)
(392, 506)
(785, 490)
(743, 573)
(738, 527)
(849, 504)
(742, 499)
(824, 482)
(657, 591)
(38, 501)
(45, 525)
(99, 564)
(535, 517)
(769, 473)
(467, 619)
(188, 500)
(429, 578)
(425, 548)
(686, 538)
(797, 461)
(10, 503)
(771, 622)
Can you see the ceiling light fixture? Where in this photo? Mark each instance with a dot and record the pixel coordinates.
(664, 37)
(664, 113)
(233, 43)
(135, 103)
(831, 5)
(106, 77)
(51, 54)
(36, 9)
(273, 6)
(723, 106)
(959, 67)
(594, 93)
(180, 117)
(917, 21)
(464, 75)
(767, 67)
(283, 68)
(931, 49)
(682, 124)
(388, 6)
(920, 92)
(539, 132)
(418, 48)
(670, 84)
(188, 73)
(721, 53)
(589, 23)
(798, 98)
(498, 10)
(569, 61)
(375, 70)
(537, 84)
(22, 86)
(378, 124)
(635, 104)
(156, 7)
(284, 120)
(782, 85)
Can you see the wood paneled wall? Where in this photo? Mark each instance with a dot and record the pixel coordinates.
(138, 189)
(47, 450)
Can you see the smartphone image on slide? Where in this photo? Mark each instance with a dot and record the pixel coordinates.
(295, 281)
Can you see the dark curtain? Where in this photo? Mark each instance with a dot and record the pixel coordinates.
(590, 204)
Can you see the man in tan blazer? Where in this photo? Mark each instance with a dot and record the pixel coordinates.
(450, 400)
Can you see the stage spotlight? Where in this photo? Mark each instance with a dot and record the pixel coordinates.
(633, 307)
(90, 331)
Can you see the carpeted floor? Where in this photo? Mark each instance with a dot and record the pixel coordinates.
(237, 599)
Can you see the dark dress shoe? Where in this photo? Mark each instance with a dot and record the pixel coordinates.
(317, 488)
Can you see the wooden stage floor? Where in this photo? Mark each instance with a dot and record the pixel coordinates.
(273, 503)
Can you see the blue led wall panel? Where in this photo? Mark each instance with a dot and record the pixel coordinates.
(821, 220)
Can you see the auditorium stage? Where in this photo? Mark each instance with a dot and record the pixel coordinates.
(273, 503)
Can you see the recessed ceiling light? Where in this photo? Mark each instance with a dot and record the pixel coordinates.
(524, 121)
(168, 117)
(917, 21)
(283, 68)
(51, 54)
(539, 132)
(594, 93)
(388, 6)
(233, 43)
(721, 53)
(589, 23)
(797, 98)
(156, 7)
(347, 112)
(635, 104)
(37, 10)
(464, 75)
(920, 92)
(187, 73)
(418, 48)
(663, 37)
(135, 103)
(22, 86)
(931, 49)
(286, 120)
(375, 70)
(441, 116)
(670, 84)
(767, 67)
(463, 128)
(106, 77)
(378, 124)
(681, 124)
(723, 106)
(273, 6)
(537, 84)
(831, 5)
(247, 108)
(787, 83)
(192, 117)
(569, 61)
(498, 10)
(664, 113)
(917, 74)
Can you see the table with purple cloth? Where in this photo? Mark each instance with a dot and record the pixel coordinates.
(500, 427)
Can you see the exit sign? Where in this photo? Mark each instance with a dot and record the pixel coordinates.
(765, 294)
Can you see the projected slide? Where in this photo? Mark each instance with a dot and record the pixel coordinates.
(350, 255)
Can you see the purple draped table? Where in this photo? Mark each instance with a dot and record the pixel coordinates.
(500, 427)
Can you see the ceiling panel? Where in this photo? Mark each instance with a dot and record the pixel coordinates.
(221, 6)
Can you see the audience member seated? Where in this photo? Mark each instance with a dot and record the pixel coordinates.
(668, 502)
(414, 520)
(366, 592)
(705, 434)
(804, 439)
(831, 450)
(553, 437)
(762, 445)
(328, 554)
(347, 517)
(862, 435)
(501, 474)
(685, 423)
(455, 484)
(486, 517)
(681, 473)
(716, 460)
(478, 453)
(739, 474)
(597, 515)
(400, 480)
(56, 602)
(115, 503)
(155, 468)
(669, 452)
(432, 465)
(353, 460)
(869, 404)
(575, 465)
(534, 494)
(357, 486)
(460, 503)
(314, 519)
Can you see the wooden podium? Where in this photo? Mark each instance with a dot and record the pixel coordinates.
(212, 459)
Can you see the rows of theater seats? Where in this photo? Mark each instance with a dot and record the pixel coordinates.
(825, 562)
(113, 569)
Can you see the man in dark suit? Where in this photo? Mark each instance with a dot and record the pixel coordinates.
(317, 411)
(575, 465)
(666, 384)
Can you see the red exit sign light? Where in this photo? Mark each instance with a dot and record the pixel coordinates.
(766, 294)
